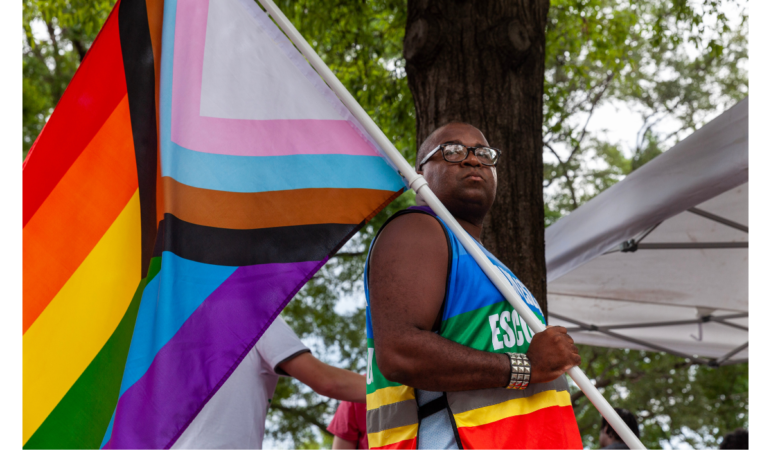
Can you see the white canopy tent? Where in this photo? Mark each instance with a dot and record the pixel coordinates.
(659, 260)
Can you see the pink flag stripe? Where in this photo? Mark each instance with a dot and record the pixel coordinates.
(241, 137)
(273, 137)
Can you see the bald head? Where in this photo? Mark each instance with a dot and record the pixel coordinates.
(466, 188)
(443, 134)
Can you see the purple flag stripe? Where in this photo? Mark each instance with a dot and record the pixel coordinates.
(193, 365)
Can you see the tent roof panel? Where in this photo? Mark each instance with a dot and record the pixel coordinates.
(693, 196)
(709, 278)
(709, 162)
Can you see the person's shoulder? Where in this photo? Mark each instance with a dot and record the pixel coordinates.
(279, 329)
(278, 343)
(412, 228)
(411, 248)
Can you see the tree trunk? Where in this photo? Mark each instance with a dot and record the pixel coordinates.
(482, 62)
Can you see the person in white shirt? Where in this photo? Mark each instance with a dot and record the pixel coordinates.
(235, 415)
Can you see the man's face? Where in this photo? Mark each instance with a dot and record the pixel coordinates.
(467, 188)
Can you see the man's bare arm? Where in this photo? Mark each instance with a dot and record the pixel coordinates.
(407, 278)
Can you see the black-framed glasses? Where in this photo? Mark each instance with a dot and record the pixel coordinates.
(455, 153)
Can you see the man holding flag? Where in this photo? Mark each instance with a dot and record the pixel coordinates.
(443, 342)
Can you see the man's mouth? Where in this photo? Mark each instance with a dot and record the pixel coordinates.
(474, 176)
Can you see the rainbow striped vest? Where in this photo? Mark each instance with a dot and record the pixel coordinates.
(474, 314)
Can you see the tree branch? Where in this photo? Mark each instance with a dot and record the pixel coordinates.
(595, 101)
(554, 152)
(565, 174)
(57, 91)
(304, 415)
(643, 129)
(348, 254)
(80, 48)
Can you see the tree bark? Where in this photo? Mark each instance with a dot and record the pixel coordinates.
(482, 62)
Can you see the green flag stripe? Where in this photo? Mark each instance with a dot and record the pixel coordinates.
(81, 417)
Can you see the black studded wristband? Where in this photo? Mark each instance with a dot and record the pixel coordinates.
(520, 371)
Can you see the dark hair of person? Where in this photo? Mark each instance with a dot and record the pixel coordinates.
(628, 418)
(739, 438)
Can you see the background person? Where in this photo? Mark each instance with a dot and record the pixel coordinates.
(608, 436)
(739, 438)
(349, 425)
(235, 416)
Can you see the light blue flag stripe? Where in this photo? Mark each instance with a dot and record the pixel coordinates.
(179, 288)
(277, 173)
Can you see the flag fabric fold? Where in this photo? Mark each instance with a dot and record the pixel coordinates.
(195, 175)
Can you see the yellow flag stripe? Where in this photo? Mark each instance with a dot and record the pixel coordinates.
(515, 407)
(389, 395)
(392, 436)
(81, 318)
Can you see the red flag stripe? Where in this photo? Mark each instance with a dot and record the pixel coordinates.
(77, 213)
(92, 95)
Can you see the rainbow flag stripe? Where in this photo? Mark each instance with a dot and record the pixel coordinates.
(89, 229)
(195, 174)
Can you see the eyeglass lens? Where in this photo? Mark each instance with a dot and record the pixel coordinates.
(457, 153)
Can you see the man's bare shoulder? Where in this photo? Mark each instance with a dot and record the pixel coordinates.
(408, 262)
(411, 233)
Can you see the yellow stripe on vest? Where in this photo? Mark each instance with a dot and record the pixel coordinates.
(392, 436)
(514, 407)
(389, 395)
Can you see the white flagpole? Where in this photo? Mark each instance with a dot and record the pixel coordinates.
(419, 185)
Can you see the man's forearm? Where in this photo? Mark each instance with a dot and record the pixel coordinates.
(425, 360)
(347, 385)
(327, 380)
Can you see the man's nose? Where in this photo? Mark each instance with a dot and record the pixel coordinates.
(471, 160)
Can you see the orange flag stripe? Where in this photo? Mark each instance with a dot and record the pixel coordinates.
(252, 210)
(97, 186)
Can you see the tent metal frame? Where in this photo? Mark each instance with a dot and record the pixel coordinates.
(719, 219)
(714, 362)
(634, 244)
